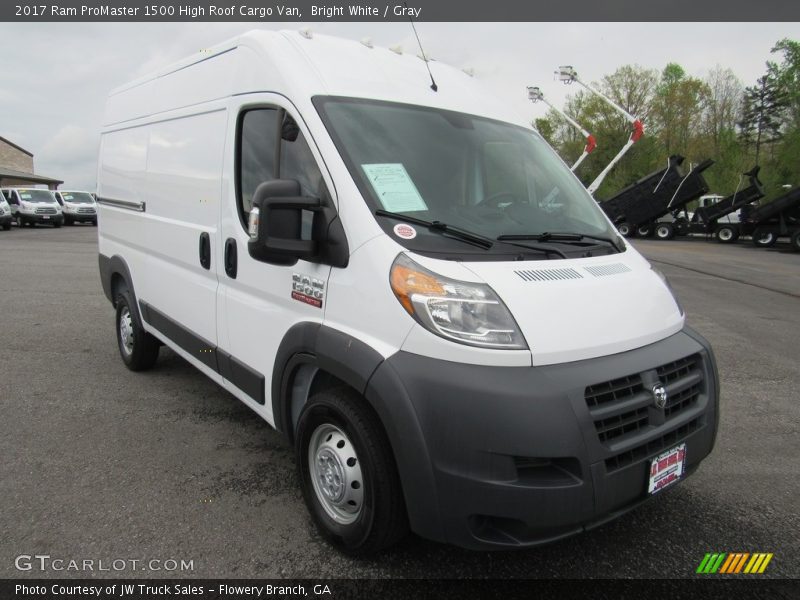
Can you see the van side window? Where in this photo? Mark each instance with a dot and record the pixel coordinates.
(262, 131)
(257, 141)
(297, 161)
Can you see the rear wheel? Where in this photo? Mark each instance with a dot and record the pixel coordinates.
(665, 231)
(138, 349)
(726, 234)
(347, 473)
(796, 240)
(644, 230)
(625, 229)
(764, 238)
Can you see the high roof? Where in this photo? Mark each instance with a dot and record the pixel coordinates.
(300, 67)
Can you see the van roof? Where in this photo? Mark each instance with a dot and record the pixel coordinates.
(301, 66)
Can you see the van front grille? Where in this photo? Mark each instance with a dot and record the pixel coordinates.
(653, 447)
(45, 210)
(624, 409)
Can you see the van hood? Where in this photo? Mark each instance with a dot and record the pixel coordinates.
(577, 309)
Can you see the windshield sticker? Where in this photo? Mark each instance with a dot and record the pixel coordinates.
(395, 190)
(66, 196)
(25, 196)
(405, 232)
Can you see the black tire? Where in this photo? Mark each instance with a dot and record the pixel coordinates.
(6, 226)
(726, 234)
(381, 515)
(644, 231)
(764, 237)
(665, 231)
(56, 224)
(68, 221)
(625, 229)
(140, 351)
(796, 241)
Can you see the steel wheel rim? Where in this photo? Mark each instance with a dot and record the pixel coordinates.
(335, 472)
(126, 331)
(725, 234)
(662, 232)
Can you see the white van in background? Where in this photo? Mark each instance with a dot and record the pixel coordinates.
(6, 218)
(30, 206)
(405, 280)
(78, 207)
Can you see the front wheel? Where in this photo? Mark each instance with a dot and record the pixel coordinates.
(6, 226)
(348, 475)
(56, 224)
(138, 349)
(796, 240)
(764, 238)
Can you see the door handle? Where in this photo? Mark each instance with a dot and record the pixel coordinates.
(205, 250)
(231, 258)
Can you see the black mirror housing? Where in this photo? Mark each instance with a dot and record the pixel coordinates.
(276, 229)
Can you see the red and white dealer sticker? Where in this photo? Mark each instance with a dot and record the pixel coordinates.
(405, 232)
(666, 469)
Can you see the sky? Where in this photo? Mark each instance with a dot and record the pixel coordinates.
(54, 77)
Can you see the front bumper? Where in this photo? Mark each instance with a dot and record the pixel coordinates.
(80, 217)
(514, 457)
(33, 218)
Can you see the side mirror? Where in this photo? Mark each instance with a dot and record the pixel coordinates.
(276, 227)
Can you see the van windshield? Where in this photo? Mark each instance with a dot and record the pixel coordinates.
(488, 177)
(77, 197)
(36, 196)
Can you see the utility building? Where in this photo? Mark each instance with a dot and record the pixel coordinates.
(16, 167)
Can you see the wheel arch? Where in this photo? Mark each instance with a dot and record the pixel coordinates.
(313, 355)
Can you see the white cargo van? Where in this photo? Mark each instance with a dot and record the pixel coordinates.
(377, 269)
(30, 206)
(78, 207)
(6, 218)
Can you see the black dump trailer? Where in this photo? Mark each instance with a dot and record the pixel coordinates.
(636, 208)
(779, 218)
(706, 219)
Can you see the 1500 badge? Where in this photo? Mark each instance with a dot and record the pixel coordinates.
(308, 290)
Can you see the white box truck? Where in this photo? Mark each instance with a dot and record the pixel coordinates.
(377, 269)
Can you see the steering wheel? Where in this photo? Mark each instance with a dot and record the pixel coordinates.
(494, 199)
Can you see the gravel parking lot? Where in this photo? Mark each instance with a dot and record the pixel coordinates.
(101, 463)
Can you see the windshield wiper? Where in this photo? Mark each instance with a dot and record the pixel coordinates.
(564, 237)
(456, 232)
(509, 239)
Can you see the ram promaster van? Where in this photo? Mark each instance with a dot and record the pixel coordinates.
(30, 206)
(78, 207)
(405, 281)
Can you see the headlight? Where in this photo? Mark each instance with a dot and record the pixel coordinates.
(669, 287)
(467, 313)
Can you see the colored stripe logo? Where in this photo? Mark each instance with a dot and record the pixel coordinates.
(734, 563)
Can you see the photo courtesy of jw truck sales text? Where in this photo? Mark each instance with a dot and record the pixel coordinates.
(362, 268)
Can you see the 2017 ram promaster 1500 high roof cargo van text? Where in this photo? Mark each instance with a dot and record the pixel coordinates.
(408, 283)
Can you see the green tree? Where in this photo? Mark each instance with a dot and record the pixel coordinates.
(762, 114)
(676, 115)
